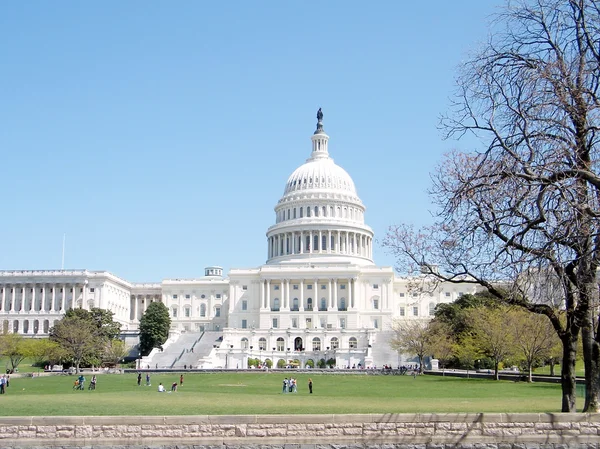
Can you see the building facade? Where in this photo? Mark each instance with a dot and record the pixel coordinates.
(319, 295)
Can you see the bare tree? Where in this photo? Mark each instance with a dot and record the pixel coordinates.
(529, 198)
(412, 337)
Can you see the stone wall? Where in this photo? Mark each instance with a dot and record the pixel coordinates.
(377, 431)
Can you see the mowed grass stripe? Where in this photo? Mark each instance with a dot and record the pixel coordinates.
(260, 393)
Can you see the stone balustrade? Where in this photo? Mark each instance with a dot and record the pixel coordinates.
(375, 431)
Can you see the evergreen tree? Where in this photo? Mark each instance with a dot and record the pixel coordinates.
(154, 327)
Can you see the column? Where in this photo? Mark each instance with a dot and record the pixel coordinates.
(339, 242)
(315, 295)
(53, 298)
(328, 242)
(329, 299)
(287, 294)
(349, 303)
(43, 301)
(32, 303)
(311, 246)
(3, 305)
(63, 297)
(262, 294)
(135, 307)
(14, 298)
(320, 242)
(268, 294)
(335, 292)
(301, 295)
(301, 242)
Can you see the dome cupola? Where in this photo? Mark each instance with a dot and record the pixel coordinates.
(320, 215)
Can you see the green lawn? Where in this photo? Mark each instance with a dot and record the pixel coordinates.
(260, 393)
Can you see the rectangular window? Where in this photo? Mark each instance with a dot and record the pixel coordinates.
(323, 323)
(92, 289)
(447, 294)
(375, 287)
(309, 287)
(343, 323)
(402, 311)
(217, 311)
(275, 323)
(460, 294)
(244, 287)
(70, 291)
(174, 296)
(276, 287)
(323, 287)
(295, 287)
(295, 323)
(174, 313)
(415, 311)
(244, 324)
(218, 295)
(343, 287)
(80, 290)
(187, 296)
(329, 326)
(401, 295)
(415, 295)
(244, 305)
(376, 304)
(376, 324)
(187, 312)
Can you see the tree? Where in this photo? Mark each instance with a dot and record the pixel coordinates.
(154, 327)
(527, 201)
(15, 347)
(533, 337)
(114, 351)
(78, 336)
(412, 337)
(44, 350)
(493, 333)
(442, 342)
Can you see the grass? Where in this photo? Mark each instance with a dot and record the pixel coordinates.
(260, 393)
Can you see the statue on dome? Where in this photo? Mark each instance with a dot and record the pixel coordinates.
(319, 115)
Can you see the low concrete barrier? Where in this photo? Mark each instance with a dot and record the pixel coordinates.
(374, 431)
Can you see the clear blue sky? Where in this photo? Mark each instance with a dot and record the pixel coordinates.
(159, 135)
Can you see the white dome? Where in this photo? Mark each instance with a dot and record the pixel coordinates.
(321, 174)
(320, 217)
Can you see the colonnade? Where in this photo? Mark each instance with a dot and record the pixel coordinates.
(139, 304)
(321, 242)
(36, 297)
(335, 298)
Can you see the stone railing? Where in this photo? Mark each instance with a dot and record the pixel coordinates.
(407, 431)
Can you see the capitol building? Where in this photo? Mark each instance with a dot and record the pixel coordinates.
(318, 296)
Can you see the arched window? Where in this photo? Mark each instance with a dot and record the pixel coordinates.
(342, 304)
(275, 305)
(262, 344)
(324, 242)
(315, 243)
(316, 344)
(307, 245)
(308, 211)
(375, 301)
(309, 304)
(244, 343)
(335, 343)
(352, 343)
(202, 309)
(323, 305)
(46, 326)
(324, 211)
(316, 211)
(280, 344)
(431, 308)
(295, 305)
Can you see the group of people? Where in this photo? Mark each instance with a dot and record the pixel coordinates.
(291, 385)
(4, 383)
(79, 383)
(161, 387)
